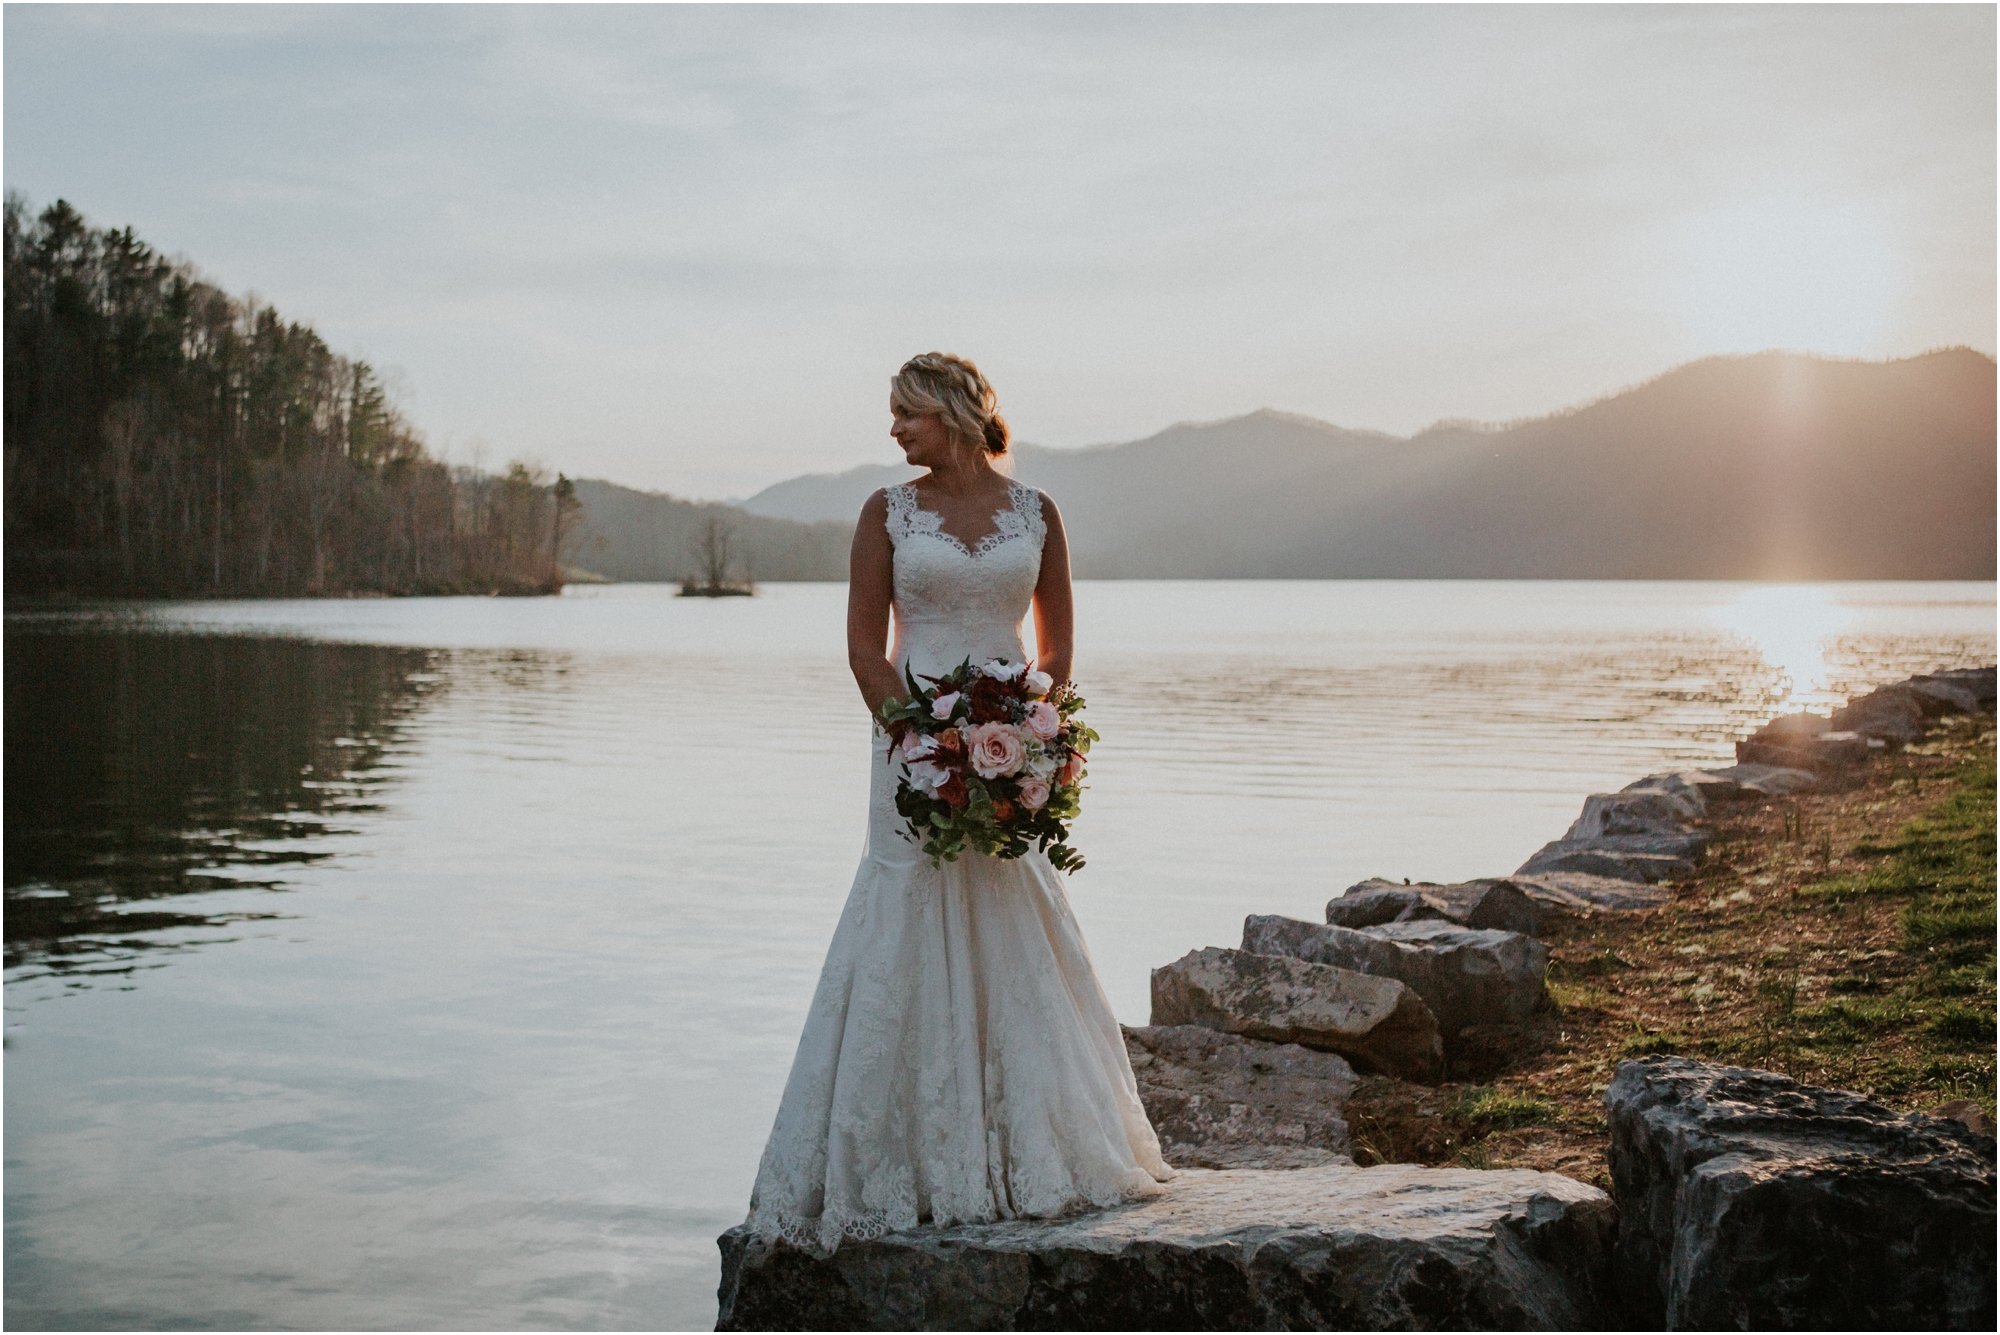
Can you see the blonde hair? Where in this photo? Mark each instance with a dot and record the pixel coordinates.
(951, 387)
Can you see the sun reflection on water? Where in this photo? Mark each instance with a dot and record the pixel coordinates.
(1791, 626)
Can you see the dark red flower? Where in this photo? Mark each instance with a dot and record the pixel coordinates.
(987, 700)
(952, 791)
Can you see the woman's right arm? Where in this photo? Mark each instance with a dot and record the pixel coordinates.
(870, 589)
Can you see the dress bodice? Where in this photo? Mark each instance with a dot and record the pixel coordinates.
(952, 603)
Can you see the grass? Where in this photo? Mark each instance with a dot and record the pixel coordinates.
(1489, 1109)
(1844, 937)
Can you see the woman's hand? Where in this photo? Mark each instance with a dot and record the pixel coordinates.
(871, 586)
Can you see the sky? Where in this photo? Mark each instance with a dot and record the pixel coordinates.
(684, 247)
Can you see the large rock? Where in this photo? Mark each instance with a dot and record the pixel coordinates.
(1582, 894)
(1893, 713)
(1976, 682)
(1397, 1247)
(1694, 789)
(1479, 984)
(1816, 753)
(1633, 812)
(1484, 903)
(1379, 1023)
(1636, 858)
(1768, 780)
(1223, 1101)
(1748, 1201)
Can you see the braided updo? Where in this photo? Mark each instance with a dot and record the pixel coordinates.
(951, 387)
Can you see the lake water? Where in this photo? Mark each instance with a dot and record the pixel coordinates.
(438, 963)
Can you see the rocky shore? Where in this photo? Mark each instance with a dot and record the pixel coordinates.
(1738, 1196)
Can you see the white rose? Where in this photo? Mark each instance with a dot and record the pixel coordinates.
(928, 777)
(1001, 670)
(1038, 683)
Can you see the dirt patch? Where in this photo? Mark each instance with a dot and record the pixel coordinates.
(1843, 937)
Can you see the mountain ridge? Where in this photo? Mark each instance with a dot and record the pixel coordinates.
(1768, 465)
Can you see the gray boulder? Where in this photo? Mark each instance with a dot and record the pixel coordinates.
(1748, 1201)
(1894, 713)
(1222, 1101)
(1479, 984)
(1815, 753)
(1768, 780)
(1695, 789)
(1629, 858)
(1483, 903)
(1378, 1023)
(1582, 894)
(1976, 682)
(1361, 950)
(1641, 812)
(1398, 1247)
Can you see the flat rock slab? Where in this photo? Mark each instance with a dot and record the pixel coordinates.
(1398, 1247)
(1815, 754)
(1378, 1023)
(1769, 780)
(1477, 983)
(1483, 903)
(1611, 858)
(1582, 894)
(1751, 1202)
(1224, 1101)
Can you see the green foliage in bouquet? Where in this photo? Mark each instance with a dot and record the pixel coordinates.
(993, 761)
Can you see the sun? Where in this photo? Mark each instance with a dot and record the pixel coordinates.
(1784, 273)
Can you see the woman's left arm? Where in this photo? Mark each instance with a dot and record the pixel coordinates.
(1055, 612)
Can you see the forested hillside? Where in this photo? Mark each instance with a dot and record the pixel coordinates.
(166, 439)
(1775, 466)
(645, 535)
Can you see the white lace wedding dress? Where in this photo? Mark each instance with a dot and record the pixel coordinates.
(960, 1062)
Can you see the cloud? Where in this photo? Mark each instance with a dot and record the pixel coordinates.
(592, 232)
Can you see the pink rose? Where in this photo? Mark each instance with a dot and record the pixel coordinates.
(994, 749)
(942, 706)
(916, 746)
(1042, 719)
(1034, 794)
(1071, 771)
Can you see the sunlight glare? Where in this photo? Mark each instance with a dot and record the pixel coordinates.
(1790, 625)
(1785, 274)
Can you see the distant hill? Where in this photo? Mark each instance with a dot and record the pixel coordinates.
(1772, 466)
(645, 535)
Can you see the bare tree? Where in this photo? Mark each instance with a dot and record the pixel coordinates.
(713, 549)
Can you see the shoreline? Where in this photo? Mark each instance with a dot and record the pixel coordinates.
(1801, 979)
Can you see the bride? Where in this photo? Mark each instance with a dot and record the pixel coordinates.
(960, 1062)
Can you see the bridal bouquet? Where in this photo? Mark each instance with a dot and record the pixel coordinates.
(994, 762)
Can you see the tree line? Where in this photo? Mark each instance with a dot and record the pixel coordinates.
(165, 439)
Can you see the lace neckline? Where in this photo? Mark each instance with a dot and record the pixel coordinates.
(1008, 522)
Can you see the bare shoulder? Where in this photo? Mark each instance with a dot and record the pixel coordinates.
(877, 504)
(1050, 514)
